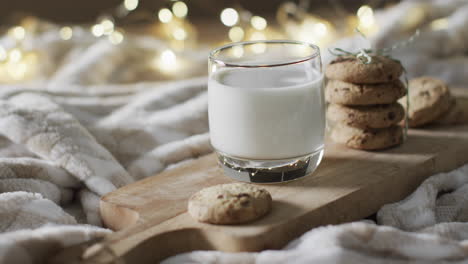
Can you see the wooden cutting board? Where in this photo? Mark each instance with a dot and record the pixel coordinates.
(348, 185)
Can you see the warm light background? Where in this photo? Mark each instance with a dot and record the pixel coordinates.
(86, 11)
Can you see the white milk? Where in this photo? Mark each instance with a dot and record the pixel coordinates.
(266, 113)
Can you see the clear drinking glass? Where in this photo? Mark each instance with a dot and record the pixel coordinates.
(267, 109)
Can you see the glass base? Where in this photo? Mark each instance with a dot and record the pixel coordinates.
(269, 171)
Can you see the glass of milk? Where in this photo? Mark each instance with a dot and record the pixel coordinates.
(266, 109)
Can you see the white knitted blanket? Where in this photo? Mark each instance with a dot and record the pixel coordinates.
(97, 116)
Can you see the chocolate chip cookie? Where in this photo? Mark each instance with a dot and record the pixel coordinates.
(339, 92)
(367, 116)
(350, 69)
(233, 203)
(369, 138)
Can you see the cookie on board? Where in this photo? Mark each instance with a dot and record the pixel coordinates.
(457, 113)
(233, 203)
(429, 99)
(351, 69)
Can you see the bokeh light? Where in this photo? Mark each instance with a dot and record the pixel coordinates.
(66, 33)
(366, 17)
(130, 5)
(229, 17)
(165, 15)
(259, 23)
(107, 26)
(15, 55)
(17, 32)
(166, 62)
(179, 34)
(259, 48)
(236, 34)
(320, 29)
(180, 9)
(97, 30)
(237, 51)
(116, 37)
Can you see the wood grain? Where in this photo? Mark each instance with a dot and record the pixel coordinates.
(348, 185)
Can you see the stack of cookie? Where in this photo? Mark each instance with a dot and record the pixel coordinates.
(363, 109)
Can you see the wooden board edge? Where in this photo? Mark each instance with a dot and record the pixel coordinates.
(117, 217)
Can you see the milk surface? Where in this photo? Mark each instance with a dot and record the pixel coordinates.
(266, 113)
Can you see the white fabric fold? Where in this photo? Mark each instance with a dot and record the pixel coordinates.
(46, 189)
(441, 198)
(19, 210)
(171, 153)
(49, 132)
(29, 246)
(36, 169)
(358, 242)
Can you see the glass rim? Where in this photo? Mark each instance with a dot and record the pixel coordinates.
(314, 54)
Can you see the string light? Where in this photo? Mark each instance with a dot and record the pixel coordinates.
(259, 23)
(116, 37)
(180, 9)
(15, 55)
(17, 65)
(236, 34)
(17, 71)
(320, 29)
(439, 24)
(130, 5)
(237, 51)
(365, 15)
(242, 25)
(107, 26)
(311, 29)
(66, 33)
(229, 17)
(21, 69)
(179, 34)
(97, 30)
(168, 57)
(17, 33)
(166, 62)
(165, 15)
